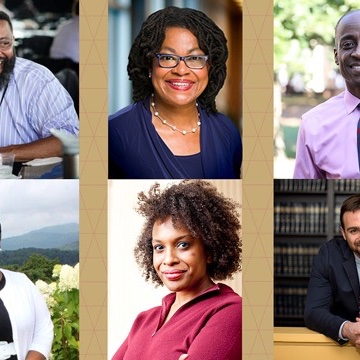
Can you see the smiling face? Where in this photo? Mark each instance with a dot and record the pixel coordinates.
(351, 230)
(179, 85)
(179, 259)
(7, 57)
(347, 51)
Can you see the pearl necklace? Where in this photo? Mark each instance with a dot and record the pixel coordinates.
(165, 122)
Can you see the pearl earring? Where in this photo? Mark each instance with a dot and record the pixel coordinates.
(149, 74)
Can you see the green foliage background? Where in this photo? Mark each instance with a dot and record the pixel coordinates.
(37, 263)
(65, 316)
(300, 25)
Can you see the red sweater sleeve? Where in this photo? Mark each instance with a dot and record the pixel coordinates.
(208, 328)
(120, 353)
(221, 338)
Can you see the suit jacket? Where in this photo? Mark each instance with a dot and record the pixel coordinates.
(333, 290)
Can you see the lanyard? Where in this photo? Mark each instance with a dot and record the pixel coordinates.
(3, 95)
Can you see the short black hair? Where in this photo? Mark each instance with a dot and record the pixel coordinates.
(339, 21)
(75, 8)
(4, 16)
(205, 212)
(152, 34)
(351, 204)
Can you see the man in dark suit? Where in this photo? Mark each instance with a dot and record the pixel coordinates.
(332, 304)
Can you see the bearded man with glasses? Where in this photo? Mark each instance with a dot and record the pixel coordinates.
(32, 102)
(173, 130)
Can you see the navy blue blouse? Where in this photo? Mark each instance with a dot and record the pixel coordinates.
(136, 151)
(192, 165)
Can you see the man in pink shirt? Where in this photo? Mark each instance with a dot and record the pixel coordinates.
(327, 139)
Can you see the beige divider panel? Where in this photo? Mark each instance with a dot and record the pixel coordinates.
(257, 179)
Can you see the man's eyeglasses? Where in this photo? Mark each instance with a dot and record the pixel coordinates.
(5, 43)
(192, 61)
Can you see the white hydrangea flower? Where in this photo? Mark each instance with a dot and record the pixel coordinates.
(50, 302)
(56, 271)
(69, 278)
(47, 290)
(42, 286)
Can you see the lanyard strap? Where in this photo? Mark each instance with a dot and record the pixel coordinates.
(3, 95)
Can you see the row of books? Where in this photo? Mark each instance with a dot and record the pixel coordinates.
(337, 216)
(301, 224)
(300, 185)
(289, 301)
(294, 258)
(316, 185)
(347, 186)
(300, 217)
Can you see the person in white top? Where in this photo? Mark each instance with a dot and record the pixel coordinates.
(31, 328)
(66, 42)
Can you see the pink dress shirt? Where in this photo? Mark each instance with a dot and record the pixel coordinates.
(327, 143)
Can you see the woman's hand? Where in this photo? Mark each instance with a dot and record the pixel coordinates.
(183, 356)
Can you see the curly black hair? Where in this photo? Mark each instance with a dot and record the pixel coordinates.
(206, 213)
(152, 34)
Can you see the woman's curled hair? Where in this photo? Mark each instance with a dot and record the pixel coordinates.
(211, 40)
(205, 212)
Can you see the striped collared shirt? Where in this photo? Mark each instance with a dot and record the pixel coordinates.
(34, 103)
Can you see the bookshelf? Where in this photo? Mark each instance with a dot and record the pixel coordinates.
(306, 214)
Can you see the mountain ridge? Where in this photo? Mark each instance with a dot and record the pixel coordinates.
(48, 237)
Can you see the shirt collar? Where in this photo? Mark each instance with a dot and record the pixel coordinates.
(170, 298)
(357, 262)
(351, 101)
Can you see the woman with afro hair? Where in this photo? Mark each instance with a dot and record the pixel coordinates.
(173, 130)
(190, 239)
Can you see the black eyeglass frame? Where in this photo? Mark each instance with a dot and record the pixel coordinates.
(184, 58)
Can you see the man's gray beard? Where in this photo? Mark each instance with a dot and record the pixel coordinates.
(7, 69)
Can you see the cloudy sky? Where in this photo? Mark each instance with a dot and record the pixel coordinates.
(27, 205)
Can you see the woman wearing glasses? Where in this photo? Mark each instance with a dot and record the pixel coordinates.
(173, 130)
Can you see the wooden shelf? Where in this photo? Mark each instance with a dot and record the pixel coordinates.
(301, 343)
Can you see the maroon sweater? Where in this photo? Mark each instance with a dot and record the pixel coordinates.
(208, 327)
